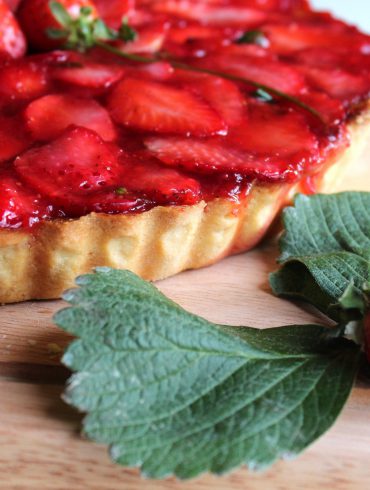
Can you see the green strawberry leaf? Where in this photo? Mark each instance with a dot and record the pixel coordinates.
(174, 394)
(325, 248)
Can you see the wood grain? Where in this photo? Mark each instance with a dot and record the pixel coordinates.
(40, 445)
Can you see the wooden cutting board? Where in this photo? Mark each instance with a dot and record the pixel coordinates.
(40, 445)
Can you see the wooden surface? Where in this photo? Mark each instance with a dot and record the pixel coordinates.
(40, 445)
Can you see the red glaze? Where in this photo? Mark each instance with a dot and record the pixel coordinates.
(84, 133)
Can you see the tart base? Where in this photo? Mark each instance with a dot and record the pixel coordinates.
(155, 244)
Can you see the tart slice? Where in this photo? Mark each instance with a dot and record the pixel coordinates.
(174, 142)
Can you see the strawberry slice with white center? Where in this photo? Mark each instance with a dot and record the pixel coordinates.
(12, 40)
(151, 106)
(76, 163)
(88, 74)
(338, 83)
(224, 97)
(49, 116)
(13, 138)
(263, 70)
(162, 185)
(271, 130)
(210, 14)
(20, 207)
(150, 39)
(210, 156)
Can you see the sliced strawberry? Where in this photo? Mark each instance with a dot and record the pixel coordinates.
(338, 83)
(191, 31)
(294, 36)
(22, 80)
(332, 110)
(20, 207)
(270, 131)
(161, 71)
(13, 4)
(110, 202)
(224, 97)
(152, 106)
(12, 40)
(210, 14)
(113, 11)
(160, 184)
(88, 74)
(334, 58)
(50, 115)
(209, 156)
(259, 69)
(13, 138)
(150, 39)
(278, 5)
(77, 163)
(36, 17)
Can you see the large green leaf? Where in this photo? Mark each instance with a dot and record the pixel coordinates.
(174, 394)
(325, 248)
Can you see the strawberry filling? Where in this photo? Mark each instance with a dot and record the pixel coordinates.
(93, 132)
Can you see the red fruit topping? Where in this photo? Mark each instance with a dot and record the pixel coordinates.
(332, 110)
(190, 32)
(224, 97)
(282, 5)
(161, 71)
(109, 202)
(271, 131)
(210, 14)
(209, 156)
(151, 106)
(22, 80)
(294, 36)
(49, 116)
(20, 207)
(12, 41)
(88, 74)
(163, 185)
(13, 4)
(333, 58)
(36, 17)
(264, 70)
(77, 163)
(113, 11)
(13, 138)
(339, 83)
(150, 39)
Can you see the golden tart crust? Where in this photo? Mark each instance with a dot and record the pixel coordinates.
(157, 243)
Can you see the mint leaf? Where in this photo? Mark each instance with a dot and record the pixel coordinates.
(325, 248)
(174, 394)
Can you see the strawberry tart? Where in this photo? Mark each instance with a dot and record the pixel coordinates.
(179, 152)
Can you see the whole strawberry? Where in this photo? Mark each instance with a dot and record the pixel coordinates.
(36, 17)
(12, 41)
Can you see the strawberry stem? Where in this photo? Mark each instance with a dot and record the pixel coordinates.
(228, 76)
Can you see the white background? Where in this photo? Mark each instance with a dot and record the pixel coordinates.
(355, 11)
